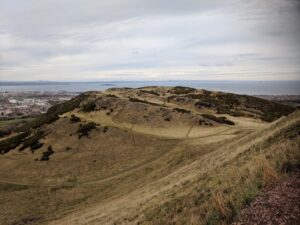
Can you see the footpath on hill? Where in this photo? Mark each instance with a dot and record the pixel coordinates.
(278, 204)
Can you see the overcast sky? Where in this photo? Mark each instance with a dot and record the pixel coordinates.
(149, 39)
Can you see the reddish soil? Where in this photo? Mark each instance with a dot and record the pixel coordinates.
(278, 205)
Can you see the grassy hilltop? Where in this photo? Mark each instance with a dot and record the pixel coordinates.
(152, 155)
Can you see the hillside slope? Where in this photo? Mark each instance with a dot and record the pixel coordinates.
(153, 155)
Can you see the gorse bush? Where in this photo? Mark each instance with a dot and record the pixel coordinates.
(179, 90)
(235, 105)
(85, 129)
(142, 101)
(151, 92)
(10, 143)
(179, 110)
(47, 154)
(221, 119)
(5, 132)
(33, 141)
(74, 119)
(89, 107)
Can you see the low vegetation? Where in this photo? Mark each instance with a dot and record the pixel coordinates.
(111, 96)
(237, 105)
(12, 142)
(89, 107)
(151, 92)
(142, 101)
(12, 187)
(179, 90)
(4, 132)
(85, 129)
(47, 154)
(180, 110)
(32, 142)
(221, 119)
(74, 119)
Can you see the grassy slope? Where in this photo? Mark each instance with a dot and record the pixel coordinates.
(143, 177)
(6, 123)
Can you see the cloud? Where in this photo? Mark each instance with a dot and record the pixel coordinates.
(142, 39)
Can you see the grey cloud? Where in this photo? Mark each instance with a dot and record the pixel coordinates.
(76, 39)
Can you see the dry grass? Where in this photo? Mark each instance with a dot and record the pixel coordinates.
(218, 197)
(143, 172)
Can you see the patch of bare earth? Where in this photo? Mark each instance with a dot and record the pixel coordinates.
(278, 205)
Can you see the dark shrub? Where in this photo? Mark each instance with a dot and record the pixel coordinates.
(236, 105)
(105, 129)
(179, 110)
(47, 153)
(89, 107)
(74, 119)
(167, 119)
(85, 129)
(222, 119)
(179, 90)
(150, 92)
(33, 141)
(10, 143)
(142, 101)
(4, 133)
(205, 104)
(111, 96)
(35, 146)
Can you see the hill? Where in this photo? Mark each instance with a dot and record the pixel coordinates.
(152, 155)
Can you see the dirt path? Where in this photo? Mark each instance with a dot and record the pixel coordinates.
(279, 204)
(189, 131)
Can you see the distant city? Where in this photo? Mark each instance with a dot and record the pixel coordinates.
(29, 103)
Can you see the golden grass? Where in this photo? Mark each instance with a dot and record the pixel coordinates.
(135, 175)
(222, 194)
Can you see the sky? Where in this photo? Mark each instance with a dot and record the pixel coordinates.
(79, 40)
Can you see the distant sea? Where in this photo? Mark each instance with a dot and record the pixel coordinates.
(239, 87)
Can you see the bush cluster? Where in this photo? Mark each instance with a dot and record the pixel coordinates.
(74, 119)
(221, 119)
(179, 90)
(47, 153)
(179, 110)
(142, 101)
(89, 107)
(85, 129)
(33, 142)
(10, 143)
